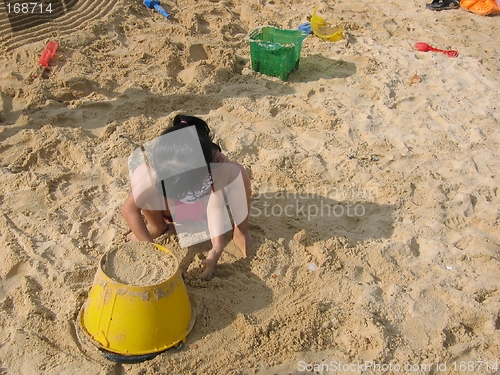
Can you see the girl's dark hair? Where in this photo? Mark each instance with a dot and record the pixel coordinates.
(175, 159)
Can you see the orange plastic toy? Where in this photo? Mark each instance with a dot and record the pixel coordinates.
(48, 53)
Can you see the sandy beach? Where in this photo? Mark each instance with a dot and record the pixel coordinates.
(375, 176)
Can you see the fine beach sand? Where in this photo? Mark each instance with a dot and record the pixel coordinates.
(139, 264)
(402, 267)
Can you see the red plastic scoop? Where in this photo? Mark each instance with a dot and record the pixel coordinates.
(48, 53)
(424, 47)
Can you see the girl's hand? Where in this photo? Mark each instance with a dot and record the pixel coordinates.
(210, 262)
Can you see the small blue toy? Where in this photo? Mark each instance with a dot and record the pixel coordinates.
(306, 27)
(155, 4)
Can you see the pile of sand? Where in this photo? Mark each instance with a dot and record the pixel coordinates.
(139, 263)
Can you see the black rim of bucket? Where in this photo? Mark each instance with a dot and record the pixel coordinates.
(128, 359)
(131, 359)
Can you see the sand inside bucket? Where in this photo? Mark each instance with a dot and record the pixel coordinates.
(139, 263)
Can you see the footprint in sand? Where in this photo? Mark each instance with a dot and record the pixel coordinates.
(13, 279)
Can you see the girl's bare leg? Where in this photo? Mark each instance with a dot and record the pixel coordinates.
(241, 235)
(156, 224)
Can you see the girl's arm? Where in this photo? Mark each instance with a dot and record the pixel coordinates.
(144, 196)
(132, 215)
(215, 217)
(216, 209)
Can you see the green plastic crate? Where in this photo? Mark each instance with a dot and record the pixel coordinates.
(275, 52)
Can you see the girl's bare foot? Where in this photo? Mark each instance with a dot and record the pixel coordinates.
(242, 240)
(131, 237)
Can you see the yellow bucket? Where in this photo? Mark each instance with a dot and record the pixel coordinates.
(130, 322)
(321, 29)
